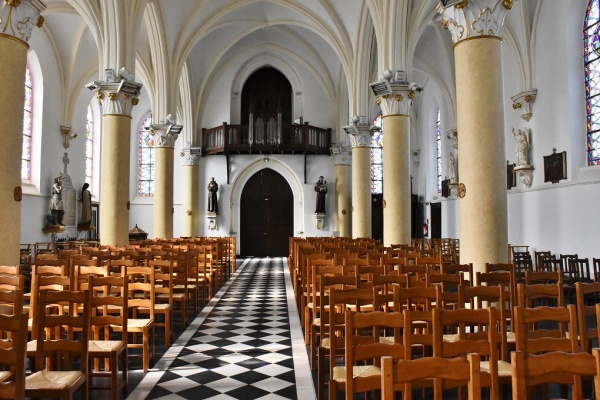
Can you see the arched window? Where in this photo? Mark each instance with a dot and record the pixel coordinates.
(89, 145)
(145, 159)
(438, 150)
(377, 158)
(27, 124)
(591, 55)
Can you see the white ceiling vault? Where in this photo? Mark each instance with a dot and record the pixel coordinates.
(191, 54)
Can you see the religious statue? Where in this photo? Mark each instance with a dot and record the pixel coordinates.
(213, 188)
(452, 168)
(86, 205)
(56, 205)
(321, 189)
(522, 148)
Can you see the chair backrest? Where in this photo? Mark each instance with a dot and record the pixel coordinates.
(554, 367)
(363, 331)
(506, 281)
(543, 276)
(448, 284)
(13, 352)
(12, 282)
(418, 333)
(60, 339)
(544, 329)
(10, 270)
(539, 256)
(384, 291)
(548, 294)
(11, 301)
(465, 269)
(419, 298)
(163, 278)
(140, 288)
(587, 295)
(109, 293)
(83, 269)
(579, 270)
(443, 371)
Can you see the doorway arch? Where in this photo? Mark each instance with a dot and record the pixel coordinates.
(266, 215)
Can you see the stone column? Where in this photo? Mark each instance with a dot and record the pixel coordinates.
(116, 97)
(342, 190)
(361, 181)
(190, 192)
(396, 164)
(165, 136)
(17, 20)
(476, 29)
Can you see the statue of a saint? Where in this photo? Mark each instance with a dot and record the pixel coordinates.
(213, 188)
(86, 205)
(522, 148)
(321, 189)
(56, 204)
(452, 168)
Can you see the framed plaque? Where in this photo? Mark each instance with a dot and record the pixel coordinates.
(511, 176)
(555, 166)
(445, 188)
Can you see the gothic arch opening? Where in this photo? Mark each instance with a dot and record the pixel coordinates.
(266, 215)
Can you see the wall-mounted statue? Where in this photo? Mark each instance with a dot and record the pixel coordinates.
(522, 148)
(213, 188)
(321, 189)
(452, 168)
(86, 205)
(56, 205)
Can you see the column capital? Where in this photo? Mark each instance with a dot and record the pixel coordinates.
(342, 155)
(18, 17)
(475, 18)
(190, 155)
(397, 102)
(360, 136)
(117, 94)
(165, 134)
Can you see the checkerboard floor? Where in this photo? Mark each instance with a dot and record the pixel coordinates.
(246, 344)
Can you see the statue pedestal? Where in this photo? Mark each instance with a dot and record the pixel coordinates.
(53, 229)
(211, 221)
(320, 221)
(525, 173)
(85, 227)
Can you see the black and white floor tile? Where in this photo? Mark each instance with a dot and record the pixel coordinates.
(246, 344)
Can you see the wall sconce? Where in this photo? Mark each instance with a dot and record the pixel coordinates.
(524, 101)
(266, 159)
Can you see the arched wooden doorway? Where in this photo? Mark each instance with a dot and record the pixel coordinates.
(266, 215)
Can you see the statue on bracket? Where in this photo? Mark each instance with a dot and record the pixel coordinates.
(56, 205)
(452, 168)
(321, 189)
(522, 149)
(213, 188)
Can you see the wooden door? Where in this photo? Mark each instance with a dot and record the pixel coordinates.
(266, 215)
(436, 220)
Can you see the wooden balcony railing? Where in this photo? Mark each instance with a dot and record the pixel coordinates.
(293, 139)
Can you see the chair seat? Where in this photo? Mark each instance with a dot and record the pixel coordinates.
(160, 307)
(4, 375)
(511, 337)
(450, 338)
(43, 380)
(363, 371)
(504, 368)
(103, 346)
(135, 323)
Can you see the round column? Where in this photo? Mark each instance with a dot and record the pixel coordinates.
(190, 193)
(165, 136)
(342, 190)
(13, 59)
(116, 99)
(361, 182)
(396, 164)
(476, 29)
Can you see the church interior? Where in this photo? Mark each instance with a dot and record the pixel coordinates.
(247, 145)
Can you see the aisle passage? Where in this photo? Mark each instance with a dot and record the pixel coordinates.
(246, 344)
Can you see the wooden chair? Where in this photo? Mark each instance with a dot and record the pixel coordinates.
(383, 291)
(595, 273)
(587, 295)
(540, 294)
(341, 301)
(466, 270)
(503, 279)
(181, 288)
(11, 302)
(444, 372)
(477, 333)
(544, 329)
(68, 370)
(13, 347)
(163, 301)
(448, 284)
(108, 294)
(556, 366)
(364, 349)
(140, 295)
(539, 256)
(543, 276)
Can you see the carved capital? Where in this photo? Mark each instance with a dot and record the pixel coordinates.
(524, 102)
(113, 100)
(165, 135)
(361, 137)
(18, 17)
(475, 18)
(68, 134)
(342, 155)
(189, 156)
(398, 102)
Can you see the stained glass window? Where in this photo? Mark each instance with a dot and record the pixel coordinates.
(591, 55)
(377, 158)
(438, 149)
(89, 145)
(145, 159)
(27, 120)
